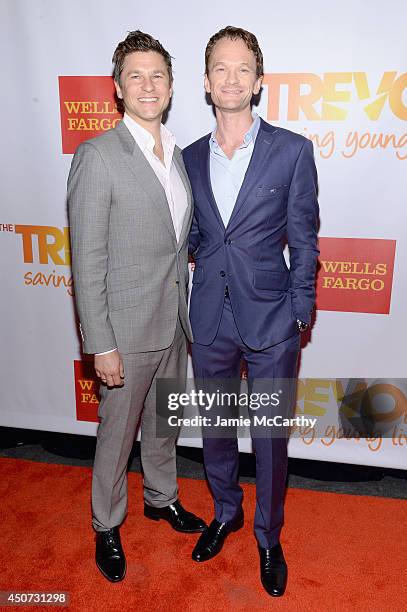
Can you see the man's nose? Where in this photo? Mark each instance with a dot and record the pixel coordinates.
(148, 84)
(232, 76)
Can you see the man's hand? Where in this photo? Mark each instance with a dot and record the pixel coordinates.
(110, 369)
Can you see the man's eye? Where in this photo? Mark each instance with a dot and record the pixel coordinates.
(135, 76)
(158, 76)
(220, 69)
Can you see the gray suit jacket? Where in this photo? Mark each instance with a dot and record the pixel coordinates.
(130, 274)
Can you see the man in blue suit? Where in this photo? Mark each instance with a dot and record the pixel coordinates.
(255, 190)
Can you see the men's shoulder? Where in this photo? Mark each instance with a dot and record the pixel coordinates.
(103, 142)
(191, 150)
(289, 137)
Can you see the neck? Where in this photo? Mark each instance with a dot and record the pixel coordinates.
(231, 127)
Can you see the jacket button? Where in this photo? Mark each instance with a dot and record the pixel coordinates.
(222, 273)
(228, 241)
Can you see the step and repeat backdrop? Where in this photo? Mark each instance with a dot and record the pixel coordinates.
(336, 73)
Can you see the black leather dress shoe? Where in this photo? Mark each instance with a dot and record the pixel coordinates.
(177, 517)
(273, 570)
(211, 540)
(110, 557)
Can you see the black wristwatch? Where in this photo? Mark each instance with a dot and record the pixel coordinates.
(302, 327)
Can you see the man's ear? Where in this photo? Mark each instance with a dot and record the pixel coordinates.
(207, 85)
(118, 90)
(257, 85)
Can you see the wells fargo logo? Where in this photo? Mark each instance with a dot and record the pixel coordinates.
(44, 245)
(316, 97)
(86, 391)
(88, 108)
(355, 274)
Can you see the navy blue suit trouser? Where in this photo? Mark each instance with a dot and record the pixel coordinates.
(221, 360)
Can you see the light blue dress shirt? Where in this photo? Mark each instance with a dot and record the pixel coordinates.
(226, 174)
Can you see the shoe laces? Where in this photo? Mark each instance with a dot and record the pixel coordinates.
(112, 538)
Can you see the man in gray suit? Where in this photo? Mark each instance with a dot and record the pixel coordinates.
(130, 211)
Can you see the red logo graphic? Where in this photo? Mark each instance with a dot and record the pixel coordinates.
(86, 391)
(355, 275)
(88, 108)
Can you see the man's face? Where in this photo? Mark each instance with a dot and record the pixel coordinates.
(144, 86)
(231, 78)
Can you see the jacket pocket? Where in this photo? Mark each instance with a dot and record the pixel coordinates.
(267, 279)
(123, 278)
(124, 298)
(271, 191)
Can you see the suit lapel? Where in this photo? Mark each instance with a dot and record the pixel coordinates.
(265, 143)
(204, 158)
(138, 164)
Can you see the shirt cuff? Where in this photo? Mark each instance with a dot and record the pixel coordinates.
(107, 352)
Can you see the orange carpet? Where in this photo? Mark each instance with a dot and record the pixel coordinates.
(344, 552)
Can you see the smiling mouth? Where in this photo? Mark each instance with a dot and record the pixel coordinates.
(148, 100)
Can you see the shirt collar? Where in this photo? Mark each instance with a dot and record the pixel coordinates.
(145, 140)
(249, 137)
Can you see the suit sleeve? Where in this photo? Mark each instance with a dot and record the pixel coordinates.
(194, 235)
(302, 229)
(89, 200)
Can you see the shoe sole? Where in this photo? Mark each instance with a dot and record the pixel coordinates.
(233, 530)
(154, 517)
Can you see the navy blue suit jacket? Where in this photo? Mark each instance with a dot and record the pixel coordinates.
(277, 204)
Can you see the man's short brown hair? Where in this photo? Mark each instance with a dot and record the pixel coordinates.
(138, 41)
(235, 34)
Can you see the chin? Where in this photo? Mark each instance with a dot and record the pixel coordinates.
(231, 104)
(231, 107)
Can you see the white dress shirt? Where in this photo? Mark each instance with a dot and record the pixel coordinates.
(166, 173)
(226, 174)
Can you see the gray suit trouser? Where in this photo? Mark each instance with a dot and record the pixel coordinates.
(120, 410)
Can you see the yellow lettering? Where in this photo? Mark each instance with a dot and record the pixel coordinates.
(381, 269)
(86, 384)
(72, 107)
(330, 94)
